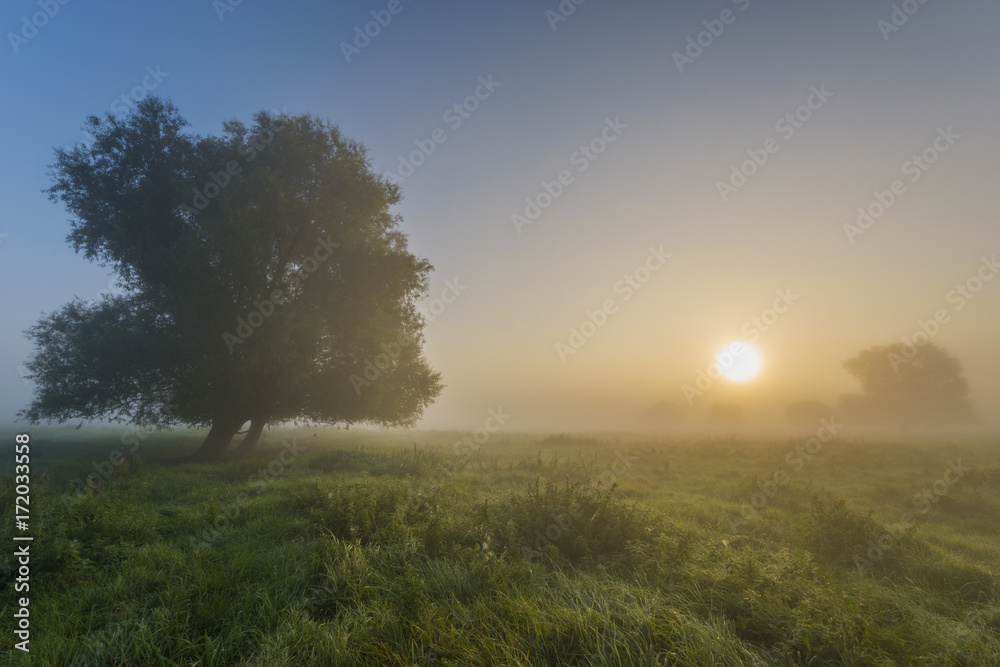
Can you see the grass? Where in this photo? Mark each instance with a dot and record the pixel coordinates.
(357, 548)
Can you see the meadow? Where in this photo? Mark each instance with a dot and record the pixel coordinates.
(432, 548)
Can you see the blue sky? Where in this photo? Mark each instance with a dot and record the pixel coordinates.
(655, 185)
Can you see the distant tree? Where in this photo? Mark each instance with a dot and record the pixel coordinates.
(908, 386)
(263, 278)
(807, 413)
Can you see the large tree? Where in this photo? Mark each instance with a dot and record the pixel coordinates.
(262, 275)
(908, 385)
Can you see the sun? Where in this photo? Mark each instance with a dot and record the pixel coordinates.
(739, 362)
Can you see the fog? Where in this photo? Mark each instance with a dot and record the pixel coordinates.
(605, 206)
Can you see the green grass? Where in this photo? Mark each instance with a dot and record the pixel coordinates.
(390, 549)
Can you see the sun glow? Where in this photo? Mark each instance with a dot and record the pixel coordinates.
(739, 362)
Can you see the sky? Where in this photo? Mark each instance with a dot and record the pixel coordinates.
(660, 177)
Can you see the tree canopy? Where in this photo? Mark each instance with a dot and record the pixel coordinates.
(263, 277)
(908, 386)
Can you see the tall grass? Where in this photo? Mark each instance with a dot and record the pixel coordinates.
(376, 550)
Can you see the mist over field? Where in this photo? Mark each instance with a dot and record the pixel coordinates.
(583, 333)
(504, 295)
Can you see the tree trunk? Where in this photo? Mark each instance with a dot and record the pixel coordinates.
(217, 440)
(252, 437)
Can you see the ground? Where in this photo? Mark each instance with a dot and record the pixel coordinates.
(419, 548)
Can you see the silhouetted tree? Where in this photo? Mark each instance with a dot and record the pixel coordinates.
(908, 386)
(263, 278)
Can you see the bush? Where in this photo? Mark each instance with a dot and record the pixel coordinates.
(837, 535)
(583, 521)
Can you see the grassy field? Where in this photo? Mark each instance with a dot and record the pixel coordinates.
(359, 548)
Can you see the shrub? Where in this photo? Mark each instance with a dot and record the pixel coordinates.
(583, 521)
(836, 534)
